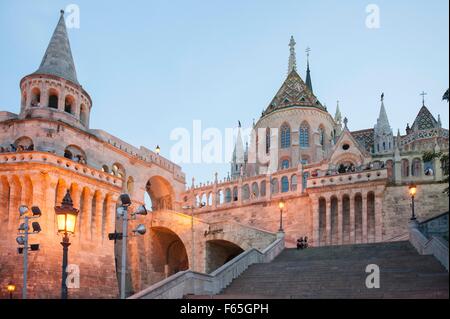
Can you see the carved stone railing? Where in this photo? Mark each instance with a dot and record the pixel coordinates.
(435, 246)
(348, 178)
(189, 282)
(61, 162)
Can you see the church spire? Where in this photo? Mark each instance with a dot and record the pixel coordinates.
(338, 115)
(308, 72)
(58, 58)
(383, 121)
(292, 59)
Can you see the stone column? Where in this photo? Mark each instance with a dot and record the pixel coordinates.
(61, 99)
(364, 218)
(97, 227)
(378, 216)
(328, 220)
(15, 192)
(352, 217)
(316, 222)
(340, 225)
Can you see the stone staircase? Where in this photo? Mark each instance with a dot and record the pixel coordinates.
(339, 272)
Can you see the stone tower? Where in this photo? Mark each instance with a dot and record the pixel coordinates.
(383, 136)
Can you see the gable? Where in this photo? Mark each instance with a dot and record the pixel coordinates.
(347, 149)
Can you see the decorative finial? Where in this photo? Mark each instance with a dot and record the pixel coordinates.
(423, 97)
(62, 12)
(382, 97)
(292, 58)
(239, 124)
(308, 49)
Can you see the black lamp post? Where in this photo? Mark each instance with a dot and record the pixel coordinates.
(281, 206)
(66, 216)
(412, 192)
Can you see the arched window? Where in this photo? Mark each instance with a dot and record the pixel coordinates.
(118, 170)
(285, 164)
(304, 135)
(235, 194)
(305, 160)
(322, 136)
(267, 140)
(75, 153)
(35, 97)
(53, 99)
(245, 192)
(284, 184)
(274, 186)
(24, 143)
(68, 104)
(262, 188)
(305, 179)
(428, 168)
(416, 169)
(227, 195)
(105, 169)
(285, 136)
(293, 182)
(405, 168)
(255, 190)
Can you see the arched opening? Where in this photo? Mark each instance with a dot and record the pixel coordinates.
(322, 136)
(53, 99)
(68, 104)
(346, 219)
(284, 184)
(24, 143)
(75, 153)
(168, 253)
(371, 217)
(416, 167)
(118, 170)
(219, 252)
(285, 141)
(245, 192)
(235, 194)
(358, 218)
(220, 197)
(285, 163)
(262, 188)
(228, 195)
(105, 169)
(322, 221)
(274, 187)
(255, 190)
(83, 114)
(294, 182)
(160, 192)
(334, 220)
(405, 168)
(304, 135)
(35, 97)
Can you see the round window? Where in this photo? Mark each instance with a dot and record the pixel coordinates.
(345, 147)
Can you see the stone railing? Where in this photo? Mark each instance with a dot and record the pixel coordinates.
(61, 162)
(435, 246)
(194, 283)
(348, 178)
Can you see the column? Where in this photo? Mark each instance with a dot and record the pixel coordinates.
(328, 219)
(364, 218)
(15, 192)
(352, 217)
(97, 227)
(340, 212)
(378, 216)
(316, 222)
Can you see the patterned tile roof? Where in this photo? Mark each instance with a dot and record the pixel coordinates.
(424, 120)
(364, 138)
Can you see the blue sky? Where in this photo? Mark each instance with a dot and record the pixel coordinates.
(152, 66)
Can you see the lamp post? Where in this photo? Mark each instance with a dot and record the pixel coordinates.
(22, 239)
(122, 211)
(66, 217)
(412, 192)
(11, 288)
(281, 205)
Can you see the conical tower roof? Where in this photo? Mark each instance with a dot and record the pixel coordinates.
(58, 58)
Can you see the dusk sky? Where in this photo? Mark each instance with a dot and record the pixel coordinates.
(153, 66)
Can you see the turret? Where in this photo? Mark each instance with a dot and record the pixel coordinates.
(383, 136)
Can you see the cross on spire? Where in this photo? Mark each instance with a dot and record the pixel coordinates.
(308, 49)
(423, 97)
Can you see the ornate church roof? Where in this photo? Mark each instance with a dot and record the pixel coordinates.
(294, 91)
(364, 138)
(424, 120)
(58, 58)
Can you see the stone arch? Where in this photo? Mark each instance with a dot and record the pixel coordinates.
(219, 252)
(118, 170)
(322, 221)
(274, 186)
(69, 103)
(416, 167)
(61, 189)
(235, 194)
(245, 192)
(161, 193)
(294, 182)
(84, 114)
(262, 188)
(405, 167)
(228, 197)
(53, 98)
(4, 202)
(27, 191)
(75, 153)
(168, 252)
(284, 184)
(255, 190)
(304, 133)
(285, 135)
(15, 199)
(24, 143)
(35, 97)
(220, 199)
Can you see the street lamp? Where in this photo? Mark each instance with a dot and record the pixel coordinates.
(158, 149)
(66, 218)
(122, 211)
(281, 205)
(11, 288)
(412, 192)
(22, 239)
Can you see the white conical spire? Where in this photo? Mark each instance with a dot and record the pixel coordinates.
(292, 59)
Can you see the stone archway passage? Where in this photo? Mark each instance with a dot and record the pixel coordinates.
(219, 252)
(168, 255)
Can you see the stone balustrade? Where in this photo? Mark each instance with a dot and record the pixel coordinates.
(347, 178)
(36, 157)
(189, 282)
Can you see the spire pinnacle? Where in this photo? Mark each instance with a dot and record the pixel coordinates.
(423, 97)
(308, 72)
(338, 115)
(292, 58)
(58, 58)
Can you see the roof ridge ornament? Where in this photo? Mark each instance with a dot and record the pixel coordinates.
(292, 58)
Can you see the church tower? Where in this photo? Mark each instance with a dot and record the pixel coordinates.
(238, 161)
(53, 91)
(383, 136)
